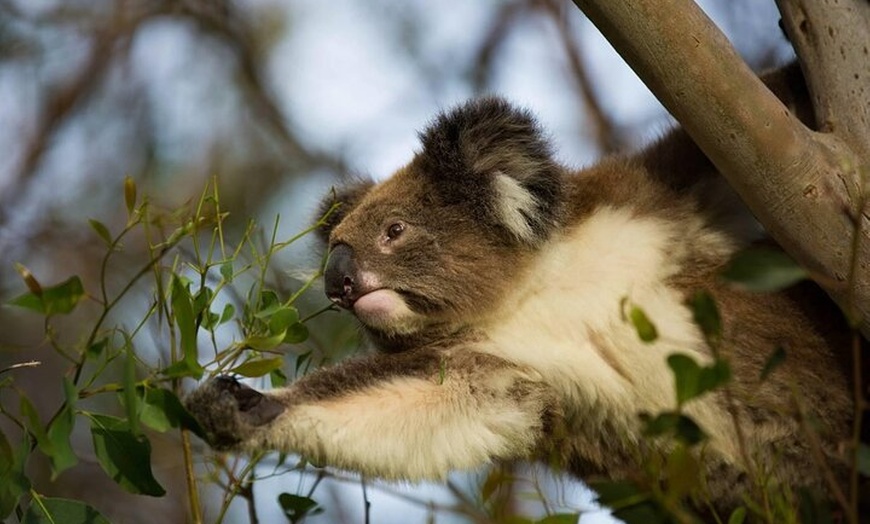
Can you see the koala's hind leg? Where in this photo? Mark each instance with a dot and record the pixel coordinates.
(411, 416)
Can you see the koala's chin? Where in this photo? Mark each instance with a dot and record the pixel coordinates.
(385, 310)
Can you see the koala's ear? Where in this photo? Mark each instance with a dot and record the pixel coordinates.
(494, 158)
(337, 203)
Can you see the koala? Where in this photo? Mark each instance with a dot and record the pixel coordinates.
(492, 283)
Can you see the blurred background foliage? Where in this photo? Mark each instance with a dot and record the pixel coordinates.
(274, 101)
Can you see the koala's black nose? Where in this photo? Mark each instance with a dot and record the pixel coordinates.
(339, 277)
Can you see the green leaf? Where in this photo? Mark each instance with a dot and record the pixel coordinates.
(227, 271)
(297, 507)
(183, 369)
(101, 230)
(96, 349)
(692, 380)
(258, 368)
(163, 410)
(713, 376)
(59, 299)
(632, 505)
(277, 378)
(737, 516)
(227, 314)
(62, 455)
(63, 297)
(13, 481)
(683, 472)
(673, 423)
(130, 194)
(706, 315)
(646, 330)
(296, 334)
(862, 457)
(35, 426)
(124, 456)
(497, 477)
(763, 270)
(28, 301)
(131, 400)
(283, 318)
(686, 377)
(182, 308)
(45, 510)
(264, 343)
(776, 359)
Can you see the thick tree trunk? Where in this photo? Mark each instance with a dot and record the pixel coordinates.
(806, 187)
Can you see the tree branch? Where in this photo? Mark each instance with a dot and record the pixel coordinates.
(800, 184)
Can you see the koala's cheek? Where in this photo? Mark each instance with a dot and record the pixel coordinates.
(385, 310)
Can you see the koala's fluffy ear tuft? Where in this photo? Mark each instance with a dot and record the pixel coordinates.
(495, 158)
(338, 203)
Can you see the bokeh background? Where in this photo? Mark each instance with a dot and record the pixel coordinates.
(276, 101)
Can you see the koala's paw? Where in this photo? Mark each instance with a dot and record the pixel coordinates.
(229, 411)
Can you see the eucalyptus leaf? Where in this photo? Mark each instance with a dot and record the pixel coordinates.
(297, 507)
(101, 230)
(45, 510)
(258, 367)
(124, 456)
(646, 330)
(763, 270)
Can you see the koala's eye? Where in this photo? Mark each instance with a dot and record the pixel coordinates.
(395, 230)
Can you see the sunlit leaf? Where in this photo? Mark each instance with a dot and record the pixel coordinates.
(646, 330)
(47, 510)
(261, 343)
(124, 456)
(277, 378)
(101, 230)
(763, 270)
(259, 367)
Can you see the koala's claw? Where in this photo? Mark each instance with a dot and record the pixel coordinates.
(230, 411)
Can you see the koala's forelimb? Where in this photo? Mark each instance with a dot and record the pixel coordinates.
(430, 411)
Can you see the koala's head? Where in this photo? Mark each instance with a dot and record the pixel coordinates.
(435, 246)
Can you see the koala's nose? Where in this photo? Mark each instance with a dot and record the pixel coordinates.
(339, 277)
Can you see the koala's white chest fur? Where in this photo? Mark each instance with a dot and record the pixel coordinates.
(567, 320)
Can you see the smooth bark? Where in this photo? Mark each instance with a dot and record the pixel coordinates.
(804, 186)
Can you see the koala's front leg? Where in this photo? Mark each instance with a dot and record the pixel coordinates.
(413, 415)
